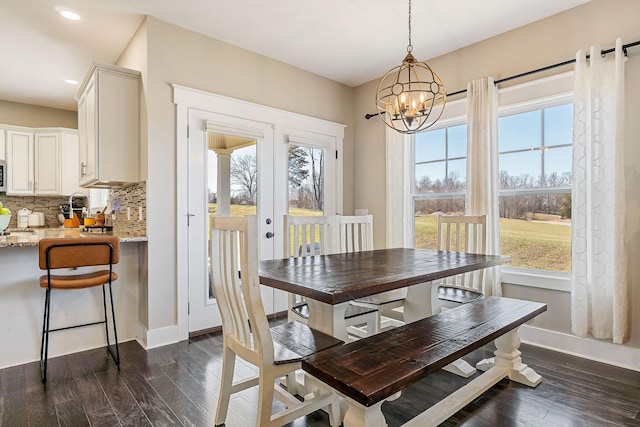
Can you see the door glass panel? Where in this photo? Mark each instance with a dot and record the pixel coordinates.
(306, 180)
(232, 179)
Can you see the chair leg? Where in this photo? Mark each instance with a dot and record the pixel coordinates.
(44, 345)
(116, 357)
(265, 398)
(228, 366)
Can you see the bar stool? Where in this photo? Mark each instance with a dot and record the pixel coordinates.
(71, 253)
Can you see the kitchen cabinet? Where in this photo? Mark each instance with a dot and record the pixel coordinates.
(109, 126)
(42, 161)
(47, 163)
(20, 162)
(69, 155)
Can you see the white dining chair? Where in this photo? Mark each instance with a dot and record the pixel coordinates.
(314, 235)
(468, 234)
(276, 352)
(355, 234)
(464, 233)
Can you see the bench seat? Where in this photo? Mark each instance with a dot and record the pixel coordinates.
(376, 368)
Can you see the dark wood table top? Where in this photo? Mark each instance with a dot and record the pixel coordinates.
(338, 278)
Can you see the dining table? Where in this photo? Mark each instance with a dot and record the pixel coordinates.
(330, 282)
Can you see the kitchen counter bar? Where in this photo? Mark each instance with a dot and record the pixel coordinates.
(31, 236)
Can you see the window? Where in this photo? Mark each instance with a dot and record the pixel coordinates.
(440, 179)
(535, 158)
(535, 187)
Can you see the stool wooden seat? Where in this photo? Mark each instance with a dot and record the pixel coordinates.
(64, 253)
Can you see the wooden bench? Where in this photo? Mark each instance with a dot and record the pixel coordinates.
(376, 368)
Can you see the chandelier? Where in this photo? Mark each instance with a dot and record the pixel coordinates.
(411, 97)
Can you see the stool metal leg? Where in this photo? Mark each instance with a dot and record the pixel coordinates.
(44, 345)
(116, 357)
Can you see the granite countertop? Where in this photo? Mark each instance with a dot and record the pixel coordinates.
(21, 237)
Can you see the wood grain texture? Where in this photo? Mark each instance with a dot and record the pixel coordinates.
(294, 341)
(338, 278)
(574, 392)
(376, 367)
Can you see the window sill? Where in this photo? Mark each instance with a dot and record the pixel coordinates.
(537, 278)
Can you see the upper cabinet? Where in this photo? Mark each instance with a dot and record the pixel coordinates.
(20, 162)
(109, 126)
(41, 162)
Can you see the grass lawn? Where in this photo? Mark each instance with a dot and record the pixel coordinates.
(531, 244)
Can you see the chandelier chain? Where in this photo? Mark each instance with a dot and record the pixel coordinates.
(410, 46)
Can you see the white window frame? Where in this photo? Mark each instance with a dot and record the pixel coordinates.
(535, 95)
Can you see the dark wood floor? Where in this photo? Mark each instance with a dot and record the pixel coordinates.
(178, 385)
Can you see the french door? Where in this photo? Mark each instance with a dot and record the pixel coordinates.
(243, 167)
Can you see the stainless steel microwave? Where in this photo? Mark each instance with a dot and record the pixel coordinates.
(3, 176)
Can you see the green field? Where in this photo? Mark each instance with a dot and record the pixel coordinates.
(531, 244)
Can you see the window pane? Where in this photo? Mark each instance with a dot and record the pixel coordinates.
(431, 145)
(430, 177)
(306, 180)
(519, 131)
(520, 169)
(558, 125)
(535, 231)
(457, 141)
(557, 166)
(457, 175)
(426, 219)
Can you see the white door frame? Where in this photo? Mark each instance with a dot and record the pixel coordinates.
(284, 122)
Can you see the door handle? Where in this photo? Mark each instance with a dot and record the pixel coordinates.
(269, 235)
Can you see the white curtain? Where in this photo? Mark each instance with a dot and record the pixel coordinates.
(599, 262)
(482, 169)
(399, 203)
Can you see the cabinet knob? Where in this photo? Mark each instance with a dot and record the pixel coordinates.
(83, 168)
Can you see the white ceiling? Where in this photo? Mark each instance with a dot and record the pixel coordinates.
(350, 41)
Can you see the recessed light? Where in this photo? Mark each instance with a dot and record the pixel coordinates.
(69, 15)
(71, 81)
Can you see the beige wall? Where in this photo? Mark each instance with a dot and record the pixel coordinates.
(542, 43)
(176, 55)
(17, 114)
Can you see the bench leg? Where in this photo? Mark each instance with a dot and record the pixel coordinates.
(460, 368)
(508, 356)
(362, 416)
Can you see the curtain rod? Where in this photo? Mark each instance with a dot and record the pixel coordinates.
(538, 70)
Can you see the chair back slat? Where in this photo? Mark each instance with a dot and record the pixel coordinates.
(353, 233)
(306, 236)
(234, 275)
(467, 233)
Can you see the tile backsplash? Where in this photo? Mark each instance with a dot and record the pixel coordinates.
(50, 206)
(133, 197)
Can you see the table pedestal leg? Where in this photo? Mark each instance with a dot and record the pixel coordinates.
(328, 318)
(417, 304)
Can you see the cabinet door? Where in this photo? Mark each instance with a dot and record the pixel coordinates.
(69, 161)
(87, 134)
(20, 159)
(47, 163)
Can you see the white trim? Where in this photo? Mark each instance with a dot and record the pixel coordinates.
(283, 122)
(156, 337)
(543, 279)
(591, 349)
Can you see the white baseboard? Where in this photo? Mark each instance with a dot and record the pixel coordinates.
(156, 337)
(599, 351)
